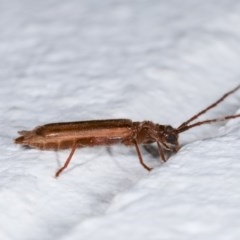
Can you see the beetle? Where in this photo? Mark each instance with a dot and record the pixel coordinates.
(64, 135)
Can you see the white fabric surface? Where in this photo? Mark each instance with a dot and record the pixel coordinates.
(145, 60)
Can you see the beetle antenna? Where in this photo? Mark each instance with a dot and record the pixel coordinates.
(183, 125)
(185, 128)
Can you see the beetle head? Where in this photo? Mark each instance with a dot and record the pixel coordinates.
(168, 138)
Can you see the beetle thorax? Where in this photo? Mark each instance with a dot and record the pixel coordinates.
(165, 135)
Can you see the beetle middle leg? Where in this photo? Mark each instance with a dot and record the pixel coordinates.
(140, 157)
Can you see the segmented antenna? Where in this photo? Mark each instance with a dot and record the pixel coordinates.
(184, 126)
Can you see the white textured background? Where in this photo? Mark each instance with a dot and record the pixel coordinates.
(159, 60)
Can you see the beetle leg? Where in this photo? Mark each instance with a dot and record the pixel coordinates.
(67, 161)
(140, 157)
(161, 153)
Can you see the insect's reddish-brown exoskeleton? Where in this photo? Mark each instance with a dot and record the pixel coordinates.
(56, 136)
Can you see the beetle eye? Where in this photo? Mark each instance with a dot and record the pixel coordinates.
(171, 138)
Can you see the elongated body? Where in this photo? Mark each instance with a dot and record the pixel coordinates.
(56, 136)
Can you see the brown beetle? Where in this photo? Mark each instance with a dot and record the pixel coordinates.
(56, 136)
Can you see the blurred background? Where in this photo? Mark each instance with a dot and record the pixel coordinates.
(143, 59)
